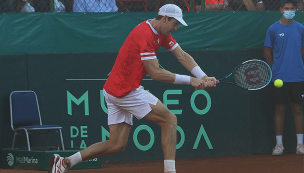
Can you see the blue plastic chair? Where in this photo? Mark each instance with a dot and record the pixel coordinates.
(26, 118)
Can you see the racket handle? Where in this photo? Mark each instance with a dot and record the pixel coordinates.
(217, 81)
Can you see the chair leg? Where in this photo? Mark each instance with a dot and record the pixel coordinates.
(61, 139)
(28, 140)
(14, 140)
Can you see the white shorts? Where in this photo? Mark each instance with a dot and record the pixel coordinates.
(135, 103)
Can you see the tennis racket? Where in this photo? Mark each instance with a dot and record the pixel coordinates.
(250, 75)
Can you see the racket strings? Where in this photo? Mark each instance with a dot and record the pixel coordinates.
(252, 75)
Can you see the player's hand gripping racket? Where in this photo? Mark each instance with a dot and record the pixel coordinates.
(250, 75)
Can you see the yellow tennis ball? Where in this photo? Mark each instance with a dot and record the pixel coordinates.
(278, 83)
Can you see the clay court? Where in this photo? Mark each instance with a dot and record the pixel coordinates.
(266, 163)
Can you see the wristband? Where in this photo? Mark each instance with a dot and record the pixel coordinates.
(182, 79)
(198, 72)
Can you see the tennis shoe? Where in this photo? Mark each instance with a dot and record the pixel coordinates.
(56, 164)
(300, 149)
(278, 150)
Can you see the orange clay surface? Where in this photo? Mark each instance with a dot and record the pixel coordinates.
(265, 163)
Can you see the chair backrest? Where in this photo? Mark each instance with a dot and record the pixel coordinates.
(24, 108)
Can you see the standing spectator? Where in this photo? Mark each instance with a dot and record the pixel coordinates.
(44, 6)
(58, 6)
(214, 5)
(122, 7)
(24, 6)
(95, 6)
(68, 5)
(260, 6)
(283, 51)
(254, 5)
(180, 3)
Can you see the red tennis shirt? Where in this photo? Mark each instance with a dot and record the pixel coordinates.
(128, 70)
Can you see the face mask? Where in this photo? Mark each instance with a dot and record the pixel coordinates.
(289, 14)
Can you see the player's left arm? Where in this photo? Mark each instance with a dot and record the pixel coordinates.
(190, 64)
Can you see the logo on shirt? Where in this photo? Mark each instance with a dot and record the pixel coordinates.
(171, 43)
(157, 41)
(281, 35)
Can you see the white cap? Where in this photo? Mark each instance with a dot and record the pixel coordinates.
(174, 11)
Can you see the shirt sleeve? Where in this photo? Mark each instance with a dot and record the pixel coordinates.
(146, 49)
(269, 38)
(169, 43)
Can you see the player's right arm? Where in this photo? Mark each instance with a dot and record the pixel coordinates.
(268, 55)
(268, 46)
(156, 73)
(189, 63)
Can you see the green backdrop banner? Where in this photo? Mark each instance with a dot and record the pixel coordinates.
(224, 121)
(106, 32)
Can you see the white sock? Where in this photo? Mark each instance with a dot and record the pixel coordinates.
(75, 159)
(279, 139)
(169, 165)
(300, 138)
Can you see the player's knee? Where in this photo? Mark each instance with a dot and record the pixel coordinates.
(172, 120)
(118, 147)
(297, 110)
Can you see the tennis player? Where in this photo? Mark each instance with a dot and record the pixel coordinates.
(125, 96)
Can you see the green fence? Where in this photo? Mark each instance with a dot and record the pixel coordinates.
(106, 32)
